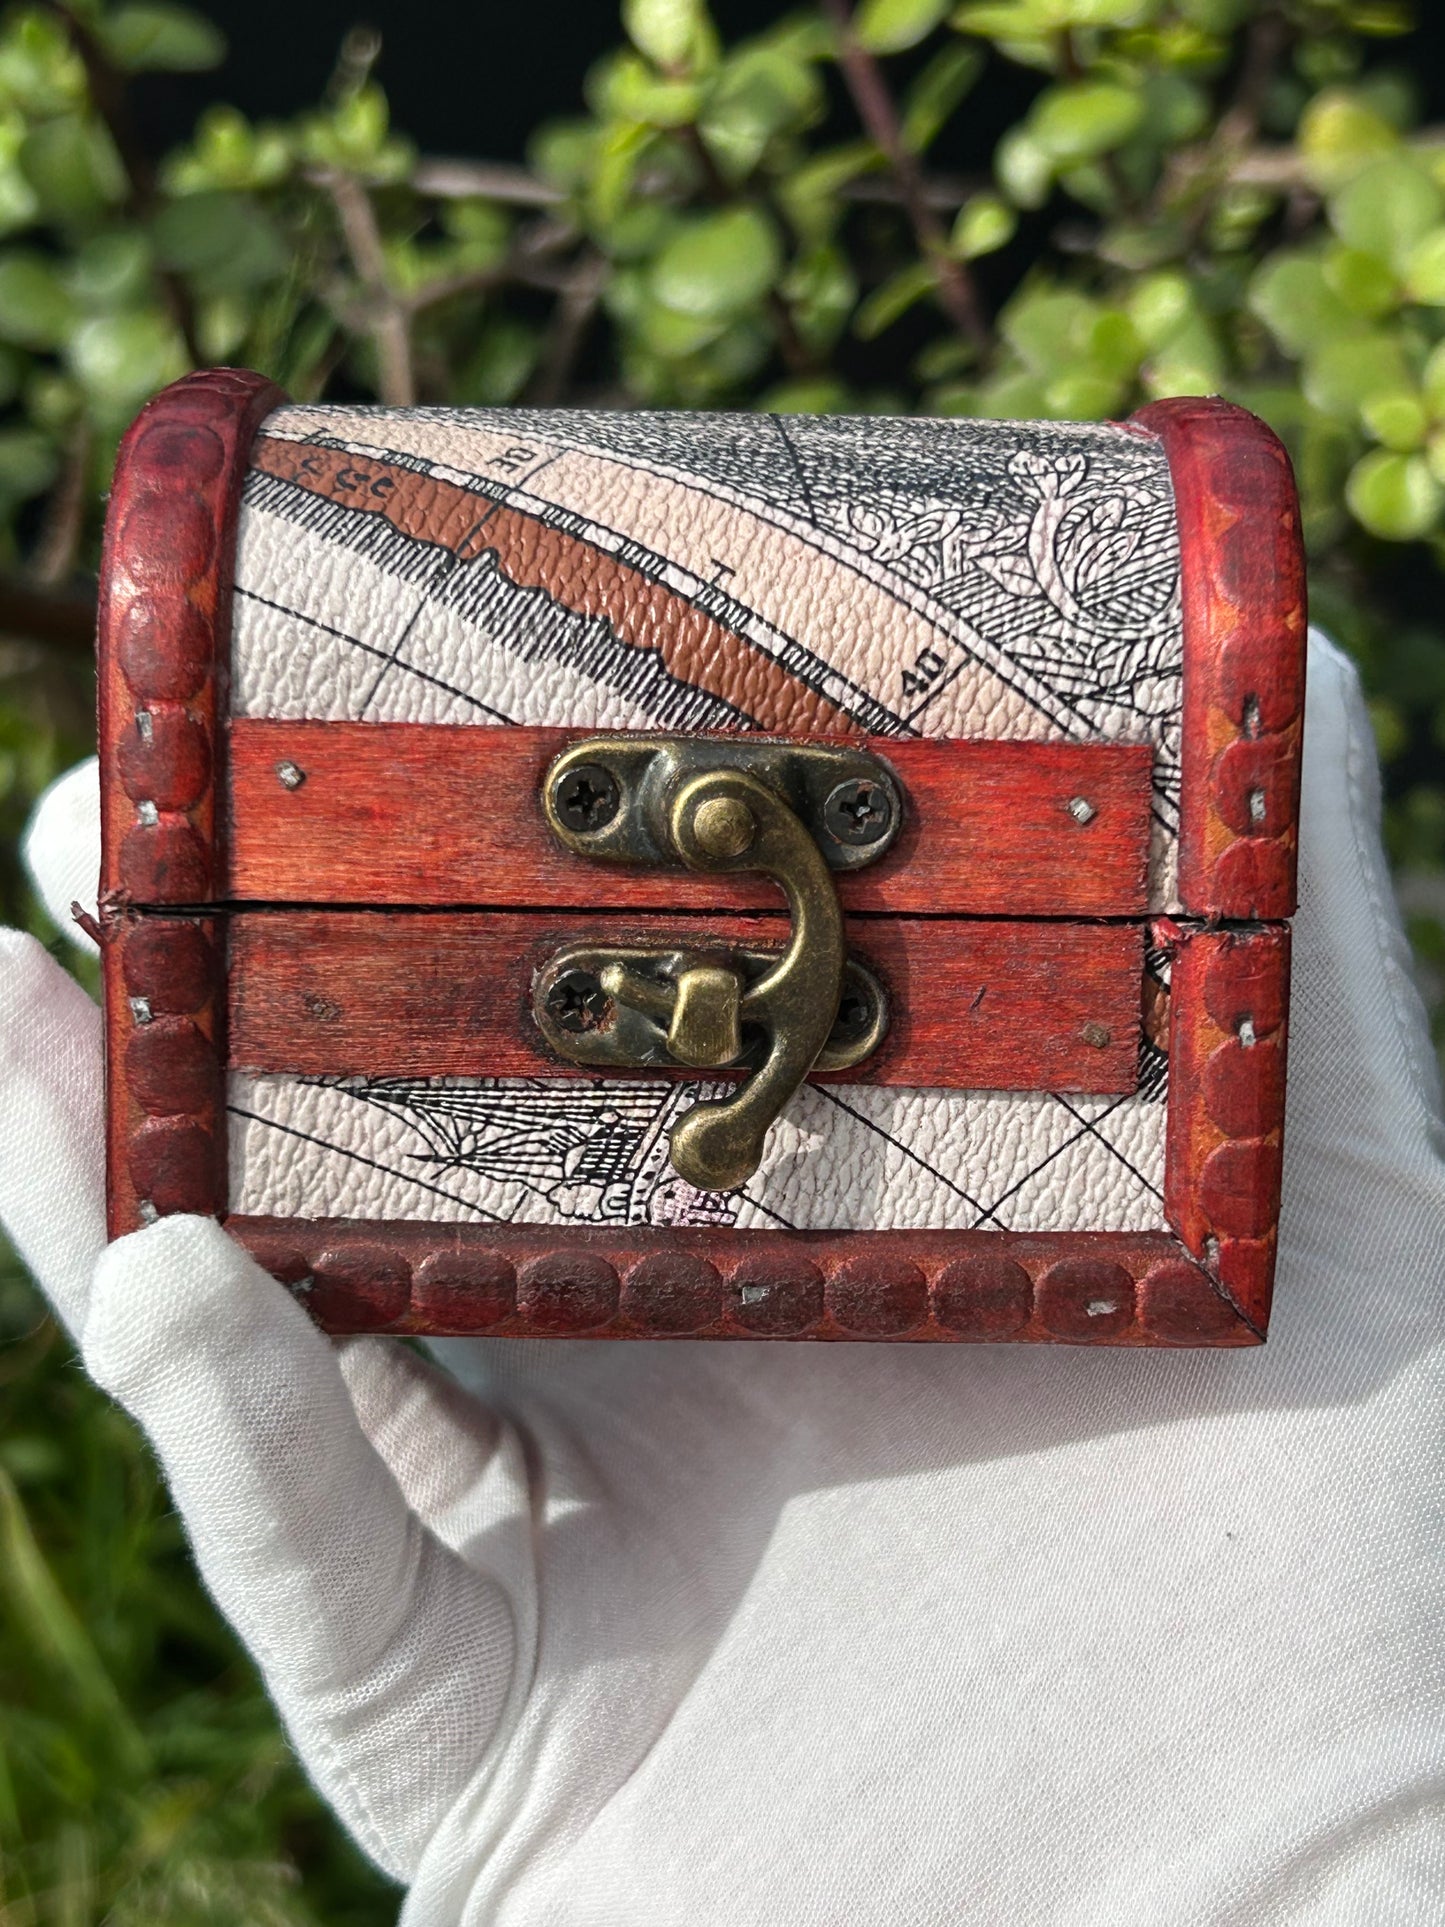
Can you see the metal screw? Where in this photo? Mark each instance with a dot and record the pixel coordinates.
(858, 811)
(1095, 1035)
(1081, 809)
(586, 797)
(578, 1002)
(855, 1016)
(290, 776)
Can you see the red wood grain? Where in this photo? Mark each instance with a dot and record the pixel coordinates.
(1222, 1170)
(983, 1006)
(1243, 583)
(534, 1281)
(413, 813)
(163, 644)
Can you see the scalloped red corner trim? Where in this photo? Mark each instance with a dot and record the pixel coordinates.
(1242, 715)
(164, 654)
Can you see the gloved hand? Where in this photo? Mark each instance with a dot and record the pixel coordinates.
(796, 1635)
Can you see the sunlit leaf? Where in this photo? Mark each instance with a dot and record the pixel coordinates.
(718, 265)
(1394, 496)
(892, 26)
(984, 224)
(672, 33)
(1387, 208)
(1085, 118)
(1339, 135)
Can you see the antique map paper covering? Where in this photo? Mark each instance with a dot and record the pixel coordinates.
(672, 571)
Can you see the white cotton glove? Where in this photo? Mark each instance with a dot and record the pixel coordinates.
(797, 1636)
(331, 1492)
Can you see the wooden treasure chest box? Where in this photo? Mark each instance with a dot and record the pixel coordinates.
(658, 875)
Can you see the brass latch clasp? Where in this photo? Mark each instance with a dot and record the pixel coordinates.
(793, 813)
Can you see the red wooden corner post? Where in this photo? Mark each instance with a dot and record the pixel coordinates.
(164, 648)
(1243, 585)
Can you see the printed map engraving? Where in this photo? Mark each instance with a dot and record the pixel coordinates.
(943, 578)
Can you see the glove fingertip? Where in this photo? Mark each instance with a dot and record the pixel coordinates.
(178, 1289)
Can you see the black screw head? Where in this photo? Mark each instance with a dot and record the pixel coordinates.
(586, 797)
(858, 811)
(855, 1016)
(578, 1002)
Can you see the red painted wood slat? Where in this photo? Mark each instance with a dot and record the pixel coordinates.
(1053, 1007)
(430, 814)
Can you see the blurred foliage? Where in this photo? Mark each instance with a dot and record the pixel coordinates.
(1194, 195)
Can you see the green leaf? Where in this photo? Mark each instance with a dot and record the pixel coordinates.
(1339, 135)
(229, 152)
(757, 95)
(820, 291)
(614, 167)
(1339, 377)
(932, 98)
(160, 39)
(1012, 397)
(1362, 281)
(1291, 296)
(718, 265)
(501, 364)
(810, 195)
(674, 34)
(1386, 209)
(1425, 270)
(1398, 420)
(562, 153)
(1191, 362)
(226, 241)
(111, 270)
(121, 359)
(72, 165)
(40, 71)
(892, 26)
(1047, 329)
(1025, 168)
(623, 87)
(480, 229)
(811, 395)
(984, 223)
(1160, 305)
(1082, 394)
(36, 310)
(893, 298)
(1084, 118)
(1394, 496)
